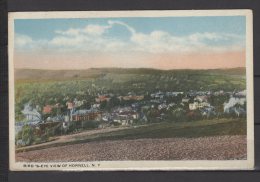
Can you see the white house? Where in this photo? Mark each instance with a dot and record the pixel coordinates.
(185, 100)
(198, 105)
(201, 98)
(232, 102)
(31, 114)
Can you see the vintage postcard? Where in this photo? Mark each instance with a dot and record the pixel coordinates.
(131, 90)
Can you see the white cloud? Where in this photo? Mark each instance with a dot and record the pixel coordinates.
(89, 29)
(95, 29)
(131, 29)
(92, 38)
(205, 36)
(22, 40)
(71, 32)
(67, 41)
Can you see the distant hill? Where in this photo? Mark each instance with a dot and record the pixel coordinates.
(41, 75)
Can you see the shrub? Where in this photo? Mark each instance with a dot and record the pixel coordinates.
(27, 134)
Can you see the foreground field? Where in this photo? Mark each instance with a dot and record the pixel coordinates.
(202, 148)
(220, 139)
(193, 129)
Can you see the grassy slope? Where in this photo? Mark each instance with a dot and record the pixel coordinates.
(193, 129)
(121, 80)
(182, 129)
(37, 74)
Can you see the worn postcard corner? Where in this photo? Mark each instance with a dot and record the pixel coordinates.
(131, 90)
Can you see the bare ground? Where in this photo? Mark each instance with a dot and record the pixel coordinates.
(203, 148)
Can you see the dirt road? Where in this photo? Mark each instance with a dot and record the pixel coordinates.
(204, 148)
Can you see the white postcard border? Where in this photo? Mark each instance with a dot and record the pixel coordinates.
(247, 164)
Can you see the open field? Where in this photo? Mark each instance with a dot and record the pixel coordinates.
(204, 139)
(193, 129)
(38, 75)
(205, 148)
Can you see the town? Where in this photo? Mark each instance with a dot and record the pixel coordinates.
(109, 110)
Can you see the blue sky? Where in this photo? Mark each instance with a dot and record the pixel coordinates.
(45, 28)
(133, 38)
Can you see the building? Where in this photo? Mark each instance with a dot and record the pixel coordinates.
(201, 98)
(47, 109)
(102, 98)
(241, 93)
(162, 106)
(233, 101)
(238, 111)
(123, 120)
(31, 114)
(86, 115)
(185, 100)
(133, 97)
(208, 111)
(70, 105)
(173, 94)
(198, 105)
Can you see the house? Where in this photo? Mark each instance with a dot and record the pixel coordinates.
(122, 109)
(120, 98)
(31, 114)
(66, 118)
(19, 126)
(201, 98)
(86, 115)
(157, 95)
(123, 119)
(208, 111)
(135, 105)
(155, 101)
(78, 103)
(232, 102)
(201, 93)
(241, 93)
(238, 111)
(96, 106)
(209, 93)
(58, 118)
(191, 93)
(198, 105)
(185, 100)
(145, 107)
(65, 125)
(131, 114)
(70, 105)
(162, 106)
(102, 98)
(171, 105)
(123, 115)
(106, 117)
(218, 93)
(133, 97)
(173, 94)
(47, 109)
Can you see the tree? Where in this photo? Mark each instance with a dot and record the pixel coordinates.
(103, 105)
(27, 134)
